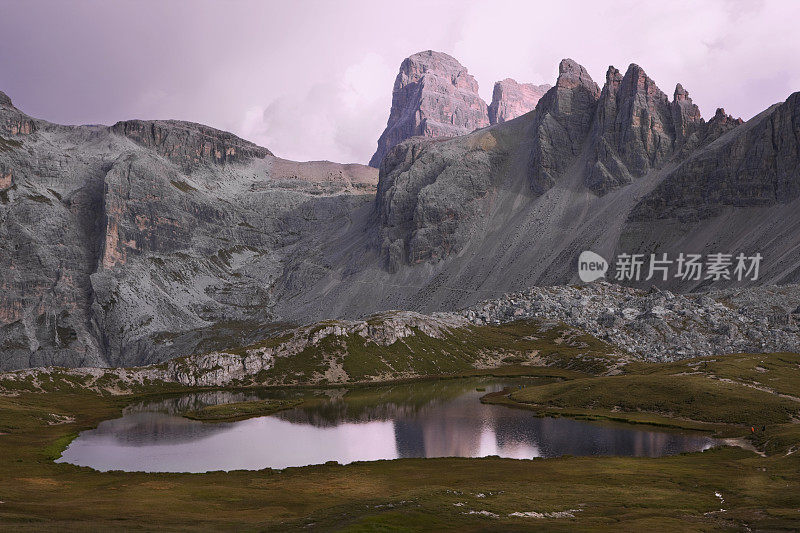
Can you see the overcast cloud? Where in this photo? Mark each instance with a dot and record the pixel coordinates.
(313, 79)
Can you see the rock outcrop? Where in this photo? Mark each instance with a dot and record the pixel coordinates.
(601, 167)
(118, 244)
(432, 190)
(511, 99)
(561, 124)
(188, 144)
(659, 325)
(433, 96)
(12, 121)
(685, 118)
(649, 325)
(627, 129)
(758, 167)
(633, 130)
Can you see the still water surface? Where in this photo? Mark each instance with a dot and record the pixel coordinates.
(439, 419)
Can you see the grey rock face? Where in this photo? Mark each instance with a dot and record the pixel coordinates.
(720, 124)
(686, 118)
(247, 366)
(187, 144)
(13, 122)
(561, 124)
(717, 186)
(659, 325)
(423, 202)
(758, 167)
(633, 130)
(5, 100)
(123, 245)
(511, 99)
(433, 96)
(649, 325)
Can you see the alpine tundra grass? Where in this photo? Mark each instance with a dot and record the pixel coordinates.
(721, 488)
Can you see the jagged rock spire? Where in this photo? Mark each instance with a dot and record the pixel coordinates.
(564, 116)
(633, 129)
(685, 115)
(435, 96)
(511, 99)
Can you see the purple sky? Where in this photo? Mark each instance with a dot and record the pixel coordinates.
(313, 79)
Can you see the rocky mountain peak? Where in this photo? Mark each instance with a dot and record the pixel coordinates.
(685, 115)
(721, 116)
(637, 82)
(720, 124)
(438, 64)
(511, 99)
(680, 94)
(613, 79)
(13, 121)
(571, 75)
(434, 96)
(633, 129)
(114, 237)
(562, 122)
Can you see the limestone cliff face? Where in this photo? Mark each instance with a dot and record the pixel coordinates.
(633, 130)
(435, 194)
(561, 124)
(115, 242)
(686, 118)
(433, 189)
(621, 132)
(592, 169)
(758, 167)
(13, 121)
(511, 99)
(433, 96)
(187, 144)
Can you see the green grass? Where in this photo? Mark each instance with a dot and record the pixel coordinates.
(182, 186)
(691, 397)
(670, 493)
(726, 395)
(6, 145)
(528, 344)
(778, 371)
(240, 410)
(524, 348)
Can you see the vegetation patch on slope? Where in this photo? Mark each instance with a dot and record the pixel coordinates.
(353, 358)
(691, 397)
(726, 394)
(6, 145)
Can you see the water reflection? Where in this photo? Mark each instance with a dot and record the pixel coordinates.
(421, 420)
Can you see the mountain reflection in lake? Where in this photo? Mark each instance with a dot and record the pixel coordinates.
(439, 419)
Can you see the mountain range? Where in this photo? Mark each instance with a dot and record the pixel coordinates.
(146, 240)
